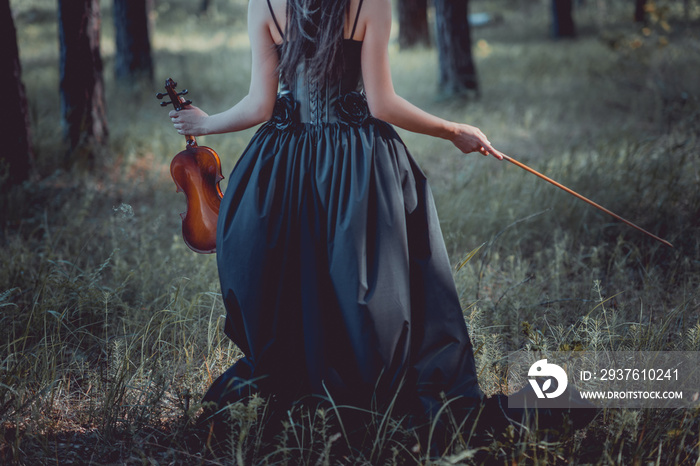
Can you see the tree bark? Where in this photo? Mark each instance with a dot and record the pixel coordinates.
(563, 19)
(82, 87)
(640, 16)
(16, 156)
(457, 70)
(413, 23)
(133, 60)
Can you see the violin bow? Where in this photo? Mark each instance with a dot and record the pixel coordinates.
(583, 198)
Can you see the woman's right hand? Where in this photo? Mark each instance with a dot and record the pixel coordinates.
(469, 139)
(190, 121)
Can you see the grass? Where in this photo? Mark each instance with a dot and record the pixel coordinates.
(110, 328)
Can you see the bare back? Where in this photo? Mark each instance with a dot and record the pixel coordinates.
(279, 8)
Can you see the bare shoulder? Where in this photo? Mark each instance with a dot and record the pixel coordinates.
(375, 17)
(260, 16)
(375, 12)
(370, 8)
(278, 7)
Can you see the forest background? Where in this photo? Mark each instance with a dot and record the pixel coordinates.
(111, 328)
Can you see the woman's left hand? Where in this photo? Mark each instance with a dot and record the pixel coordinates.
(190, 121)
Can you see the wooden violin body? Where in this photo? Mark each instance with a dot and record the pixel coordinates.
(196, 172)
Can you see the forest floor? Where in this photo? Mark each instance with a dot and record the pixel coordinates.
(111, 328)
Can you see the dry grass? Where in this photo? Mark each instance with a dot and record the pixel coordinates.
(110, 328)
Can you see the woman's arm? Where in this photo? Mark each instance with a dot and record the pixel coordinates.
(386, 105)
(257, 106)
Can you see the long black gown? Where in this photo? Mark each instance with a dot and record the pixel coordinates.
(332, 264)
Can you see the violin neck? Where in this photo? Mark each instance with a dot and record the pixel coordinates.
(178, 103)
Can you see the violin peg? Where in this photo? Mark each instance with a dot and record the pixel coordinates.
(175, 99)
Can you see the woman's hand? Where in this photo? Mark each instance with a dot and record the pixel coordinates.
(190, 121)
(470, 139)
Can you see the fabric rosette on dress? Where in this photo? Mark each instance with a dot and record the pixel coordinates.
(352, 109)
(285, 113)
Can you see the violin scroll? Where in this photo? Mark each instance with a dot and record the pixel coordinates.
(175, 99)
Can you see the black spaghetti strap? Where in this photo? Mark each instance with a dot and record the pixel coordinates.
(274, 18)
(357, 16)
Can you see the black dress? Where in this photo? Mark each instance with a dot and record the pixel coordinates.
(332, 264)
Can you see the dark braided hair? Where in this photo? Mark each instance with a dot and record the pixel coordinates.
(314, 33)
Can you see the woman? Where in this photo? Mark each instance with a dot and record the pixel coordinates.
(332, 265)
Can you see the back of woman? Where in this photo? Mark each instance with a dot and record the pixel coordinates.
(320, 64)
(330, 255)
(332, 265)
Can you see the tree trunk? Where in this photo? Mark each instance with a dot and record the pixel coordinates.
(133, 60)
(457, 70)
(413, 23)
(640, 16)
(82, 88)
(563, 19)
(16, 156)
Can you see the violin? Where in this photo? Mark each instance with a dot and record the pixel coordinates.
(196, 172)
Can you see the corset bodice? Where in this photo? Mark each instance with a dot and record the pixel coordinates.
(326, 100)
